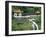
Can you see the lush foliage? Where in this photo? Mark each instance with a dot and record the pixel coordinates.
(26, 25)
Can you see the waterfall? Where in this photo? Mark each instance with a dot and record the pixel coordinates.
(33, 24)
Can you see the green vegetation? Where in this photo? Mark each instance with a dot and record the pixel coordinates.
(27, 9)
(21, 26)
(26, 25)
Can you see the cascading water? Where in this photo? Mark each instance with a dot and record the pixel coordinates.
(33, 24)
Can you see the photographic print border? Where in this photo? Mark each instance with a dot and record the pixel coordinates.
(7, 18)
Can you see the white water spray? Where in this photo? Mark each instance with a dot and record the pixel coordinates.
(33, 24)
